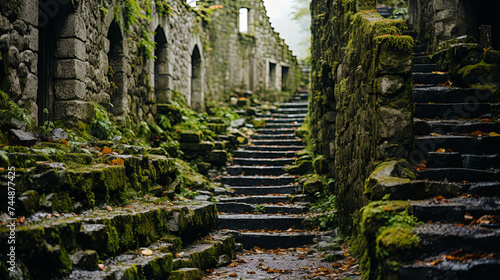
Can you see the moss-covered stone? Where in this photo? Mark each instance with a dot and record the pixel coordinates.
(186, 274)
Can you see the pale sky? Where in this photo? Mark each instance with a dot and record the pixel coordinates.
(295, 33)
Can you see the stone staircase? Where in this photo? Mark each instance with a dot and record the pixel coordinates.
(268, 208)
(456, 148)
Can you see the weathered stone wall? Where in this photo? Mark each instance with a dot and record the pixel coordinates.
(242, 60)
(439, 20)
(68, 56)
(361, 109)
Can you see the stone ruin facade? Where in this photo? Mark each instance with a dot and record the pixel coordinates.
(59, 58)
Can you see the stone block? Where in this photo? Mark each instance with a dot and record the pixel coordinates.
(28, 11)
(71, 48)
(388, 85)
(395, 54)
(33, 38)
(74, 109)
(445, 15)
(203, 146)
(70, 69)
(70, 89)
(440, 5)
(395, 125)
(31, 88)
(73, 26)
(4, 42)
(191, 137)
(186, 274)
(13, 57)
(218, 157)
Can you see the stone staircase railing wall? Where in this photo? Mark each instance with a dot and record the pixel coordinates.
(361, 108)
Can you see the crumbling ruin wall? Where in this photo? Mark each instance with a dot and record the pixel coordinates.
(361, 106)
(256, 59)
(62, 58)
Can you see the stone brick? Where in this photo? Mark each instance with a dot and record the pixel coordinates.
(71, 48)
(70, 69)
(70, 89)
(75, 109)
(28, 11)
(33, 37)
(31, 88)
(73, 26)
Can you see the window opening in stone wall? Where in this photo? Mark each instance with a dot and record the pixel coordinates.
(243, 20)
(116, 70)
(161, 67)
(272, 75)
(196, 100)
(284, 77)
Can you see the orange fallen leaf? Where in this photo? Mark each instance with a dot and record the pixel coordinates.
(147, 252)
(101, 266)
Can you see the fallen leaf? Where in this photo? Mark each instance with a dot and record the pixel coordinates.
(147, 252)
(101, 266)
(233, 275)
(251, 272)
(109, 208)
(494, 134)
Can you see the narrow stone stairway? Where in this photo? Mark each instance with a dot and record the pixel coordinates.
(457, 149)
(268, 210)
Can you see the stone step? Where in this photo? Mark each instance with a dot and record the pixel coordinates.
(289, 115)
(490, 189)
(275, 240)
(274, 136)
(418, 48)
(461, 144)
(424, 68)
(459, 174)
(451, 111)
(252, 190)
(263, 161)
(293, 125)
(483, 268)
(437, 239)
(266, 199)
(442, 94)
(441, 160)
(293, 105)
(454, 210)
(429, 78)
(285, 120)
(109, 233)
(241, 208)
(279, 142)
(275, 131)
(294, 111)
(259, 222)
(292, 148)
(424, 59)
(255, 170)
(269, 154)
(463, 126)
(257, 180)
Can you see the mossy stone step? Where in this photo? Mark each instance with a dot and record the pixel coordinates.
(442, 94)
(279, 142)
(423, 59)
(265, 161)
(462, 126)
(438, 239)
(255, 170)
(293, 105)
(266, 199)
(484, 268)
(257, 222)
(429, 78)
(252, 190)
(274, 136)
(285, 125)
(285, 121)
(457, 160)
(266, 154)
(257, 180)
(44, 247)
(242, 208)
(424, 68)
(275, 131)
(459, 174)
(454, 210)
(266, 240)
(290, 148)
(461, 144)
(290, 110)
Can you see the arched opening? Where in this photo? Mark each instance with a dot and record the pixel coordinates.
(243, 25)
(116, 71)
(162, 73)
(196, 96)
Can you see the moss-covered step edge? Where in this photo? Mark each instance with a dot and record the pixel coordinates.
(394, 180)
(203, 254)
(95, 184)
(48, 245)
